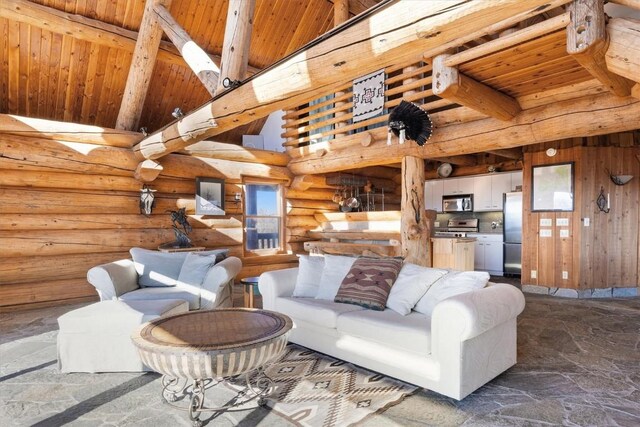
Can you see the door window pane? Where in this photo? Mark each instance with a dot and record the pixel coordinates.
(262, 200)
(263, 233)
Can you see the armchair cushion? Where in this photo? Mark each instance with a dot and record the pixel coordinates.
(194, 269)
(157, 268)
(164, 293)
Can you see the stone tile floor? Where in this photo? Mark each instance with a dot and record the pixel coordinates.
(578, 365)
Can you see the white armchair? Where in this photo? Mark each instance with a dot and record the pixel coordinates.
(121, 280)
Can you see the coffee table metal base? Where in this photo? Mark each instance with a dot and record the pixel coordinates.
(256, 385)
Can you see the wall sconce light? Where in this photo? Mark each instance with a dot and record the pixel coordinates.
(604, 204)
(619, 179)
(147, 200)
(237, 197)
(551, 152)
(177, 113)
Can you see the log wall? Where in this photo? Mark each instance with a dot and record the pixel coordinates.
(607, 252)
(68, 206)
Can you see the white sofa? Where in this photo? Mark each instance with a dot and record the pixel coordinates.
(123, 279)
(469, 339)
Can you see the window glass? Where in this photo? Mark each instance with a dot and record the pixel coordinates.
(263, 218)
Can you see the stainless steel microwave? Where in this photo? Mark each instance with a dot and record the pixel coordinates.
(457, 203)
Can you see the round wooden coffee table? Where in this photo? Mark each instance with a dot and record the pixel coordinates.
(192, 349)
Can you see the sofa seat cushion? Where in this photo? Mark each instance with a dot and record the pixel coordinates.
(117, 317)
(411, 332)
(156, 293)
(319, 312)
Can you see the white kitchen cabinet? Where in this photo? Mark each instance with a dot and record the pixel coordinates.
(433, 195)
(482, 193)
(488, 254)
(516, 180)
(488, 191)
(500, 184)
(453, 186)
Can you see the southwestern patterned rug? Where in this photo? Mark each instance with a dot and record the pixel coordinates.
(313, 389)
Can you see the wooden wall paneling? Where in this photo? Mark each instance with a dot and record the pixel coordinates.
(35, 268)
(23, 91)
(76, 202)
(529, 232)
(41, 180)
(49, 102)
(63, 79)
(92, 221)
(588, 210)
(13, 66)
(46, 291)
(631, 218)
(4, 65)
(67, 242)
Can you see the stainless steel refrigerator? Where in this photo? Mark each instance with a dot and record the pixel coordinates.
(512, 234)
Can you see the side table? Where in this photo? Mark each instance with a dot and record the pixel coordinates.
(248, 285)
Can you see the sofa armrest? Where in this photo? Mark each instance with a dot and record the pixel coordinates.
(113, 279)
(278, 283)
(217, 284)
(470, 314)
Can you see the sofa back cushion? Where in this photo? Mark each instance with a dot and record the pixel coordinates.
(369, 281)
(194, 270)
(412, 283)
(452, 283)
(335, 269)
(157, 268)
(309, 273)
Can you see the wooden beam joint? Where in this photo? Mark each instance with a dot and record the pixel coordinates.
(451, 84)
(587, 43)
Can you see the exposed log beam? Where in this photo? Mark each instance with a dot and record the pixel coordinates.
(225, 151)
(340, 12)
(64, 131)
(87, 29)
(464, 160)
(237, 37)
(451, 84)
(195, 57)
(477, 170)
(507, 153)
(549, 122)
(147, 171)
(340, 15)
(623, 54)
(587, 43)
(394, 34)
(142, 63)
(520, 36)
(414, 228)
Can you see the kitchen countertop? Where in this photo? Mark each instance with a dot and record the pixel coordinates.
(459, 239)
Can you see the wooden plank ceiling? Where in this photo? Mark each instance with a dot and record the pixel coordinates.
(47, 74)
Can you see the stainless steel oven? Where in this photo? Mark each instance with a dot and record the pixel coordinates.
(459, 203)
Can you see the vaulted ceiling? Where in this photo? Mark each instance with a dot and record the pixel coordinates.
(68, 60)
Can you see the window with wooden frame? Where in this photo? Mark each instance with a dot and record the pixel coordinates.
(263, 217)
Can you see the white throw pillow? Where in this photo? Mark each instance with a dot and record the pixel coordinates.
(335, 270)
(195, 268)
(157, 268)
(412, 283)
(309, 272)
(453, 283)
